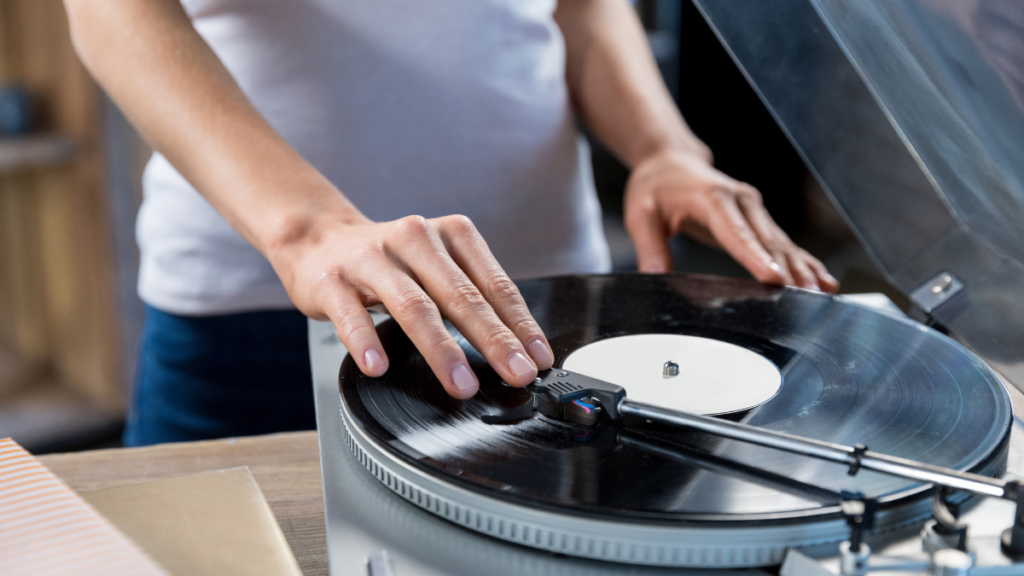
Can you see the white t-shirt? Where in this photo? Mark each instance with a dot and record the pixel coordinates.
(408, 107)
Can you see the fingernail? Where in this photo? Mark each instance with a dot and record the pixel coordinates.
(373, 360)
(814, 286)
(540, 352)
(463, 377)
(774, 266)
(520, 365)
(654, 270)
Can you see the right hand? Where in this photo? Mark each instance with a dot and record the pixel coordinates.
(422, 270)
(676, 191)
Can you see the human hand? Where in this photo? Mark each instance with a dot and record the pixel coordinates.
(674, 191)
(422, 271)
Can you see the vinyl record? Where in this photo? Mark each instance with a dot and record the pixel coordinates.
(845, 374)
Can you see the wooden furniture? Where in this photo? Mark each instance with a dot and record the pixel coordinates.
(286, 467)
(61, 333)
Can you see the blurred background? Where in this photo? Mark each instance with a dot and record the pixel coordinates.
(70, 172)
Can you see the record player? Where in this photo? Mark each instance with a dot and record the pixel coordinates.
(696, 423)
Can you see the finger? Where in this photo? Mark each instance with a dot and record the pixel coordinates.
(470, 252)
(781, 259)
(803, 275)
(806, 270)
(419, 317)
(772, 238)
(461, 302)
(650, 238)
(827, 282)
(732, 231)
(355, 328)
(785, 265)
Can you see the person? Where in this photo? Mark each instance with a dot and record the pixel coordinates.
(327, 156)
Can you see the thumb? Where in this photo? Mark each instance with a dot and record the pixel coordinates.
(650, 238)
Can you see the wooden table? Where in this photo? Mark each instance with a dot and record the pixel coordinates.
(286, 467)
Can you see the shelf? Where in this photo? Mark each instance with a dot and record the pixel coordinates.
(35, 151)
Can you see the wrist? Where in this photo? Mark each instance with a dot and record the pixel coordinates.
(695, 151)
(309, 224)
(688, 145)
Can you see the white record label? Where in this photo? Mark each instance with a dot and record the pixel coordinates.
(714, 377)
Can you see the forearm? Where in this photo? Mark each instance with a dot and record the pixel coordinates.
(172, 87)
(615, 83)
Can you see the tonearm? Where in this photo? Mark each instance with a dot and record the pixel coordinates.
(562, 387)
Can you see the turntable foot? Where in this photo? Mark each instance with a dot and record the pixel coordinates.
(951, 562)
(853, 563)
(1013, 537)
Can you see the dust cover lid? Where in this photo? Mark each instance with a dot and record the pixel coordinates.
(910, 113)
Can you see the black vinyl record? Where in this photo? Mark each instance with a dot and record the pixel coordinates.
(850, 375)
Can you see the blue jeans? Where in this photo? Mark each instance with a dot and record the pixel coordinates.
(218, 376)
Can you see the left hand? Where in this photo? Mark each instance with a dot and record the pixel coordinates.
(680, 191)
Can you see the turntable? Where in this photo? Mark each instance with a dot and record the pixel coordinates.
(699, 423)
(562, 477)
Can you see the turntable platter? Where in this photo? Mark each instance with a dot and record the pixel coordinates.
(844, 374)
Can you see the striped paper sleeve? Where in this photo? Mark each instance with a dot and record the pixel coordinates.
(47, 529)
